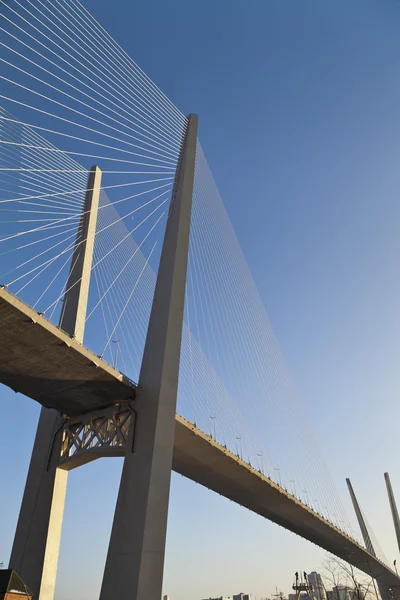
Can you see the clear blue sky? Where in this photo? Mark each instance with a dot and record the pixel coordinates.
(299, 106)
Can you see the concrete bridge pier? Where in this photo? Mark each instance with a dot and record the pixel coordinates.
(36, 544)
(135, 560)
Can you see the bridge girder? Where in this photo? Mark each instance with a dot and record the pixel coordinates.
(196, 455)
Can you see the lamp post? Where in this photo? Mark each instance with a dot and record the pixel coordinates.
(279, 475)
(116, 342)
(214, 418)
(262, 463)
(240, 446)
(317, 505)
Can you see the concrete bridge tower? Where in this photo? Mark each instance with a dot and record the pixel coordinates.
(393, 508)
(383, 589)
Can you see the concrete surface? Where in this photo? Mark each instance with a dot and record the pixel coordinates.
(41, 361)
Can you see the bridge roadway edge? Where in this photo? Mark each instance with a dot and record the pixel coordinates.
(43, 362)
(196, 455)
(200, 458)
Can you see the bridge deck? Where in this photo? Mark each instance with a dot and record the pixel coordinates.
(44, 363)
(198, 457)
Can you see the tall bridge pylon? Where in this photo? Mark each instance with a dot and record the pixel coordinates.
(142, 430)
(236, 399)
(36, 544)
(383, 589)
(135, 560)
(393, 508)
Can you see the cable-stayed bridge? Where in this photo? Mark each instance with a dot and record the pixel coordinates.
(129, 312)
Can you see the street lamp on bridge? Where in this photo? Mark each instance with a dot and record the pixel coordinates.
(240, 454)
(214, 418)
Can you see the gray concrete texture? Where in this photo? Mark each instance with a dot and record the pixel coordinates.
(135, 560)
(39, 360)
(73, 316)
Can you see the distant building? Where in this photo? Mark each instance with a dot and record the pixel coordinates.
(342, 592)
(241, 596)
(315, 580)
(358, 594)
(346, 593)
(219, 598)
(303, 596)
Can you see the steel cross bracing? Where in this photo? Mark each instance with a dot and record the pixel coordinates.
(95, 435)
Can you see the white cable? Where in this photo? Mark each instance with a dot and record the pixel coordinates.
(164, 100)
(131, 91)
(87, 68)
(172, 151)
(130, 295)
(68, 152)
(138, 129)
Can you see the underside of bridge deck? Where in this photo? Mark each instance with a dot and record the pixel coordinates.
(44, 363)
(200, 458)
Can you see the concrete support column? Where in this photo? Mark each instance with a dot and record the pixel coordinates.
(360, 519)
(383, 589)
(135, 560)
(36, 544)
(393, 508)
(37, 539)
(73, 315)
